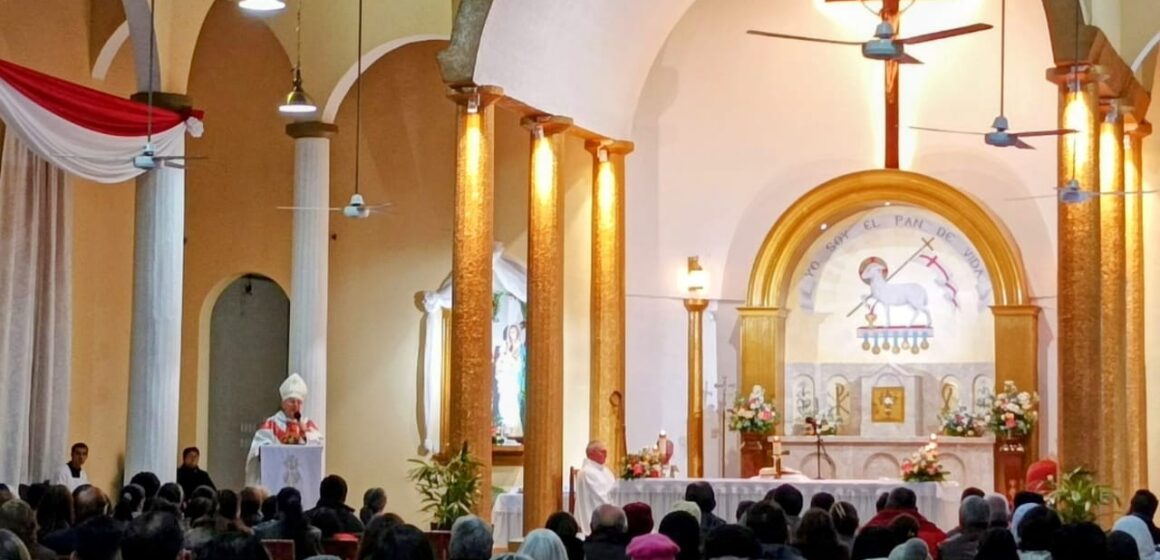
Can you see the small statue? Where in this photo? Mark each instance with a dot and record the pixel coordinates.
(664, 448)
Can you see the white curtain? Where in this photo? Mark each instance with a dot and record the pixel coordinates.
(35, 314)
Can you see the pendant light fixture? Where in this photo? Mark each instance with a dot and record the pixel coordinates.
(297, 102)
(262, 5)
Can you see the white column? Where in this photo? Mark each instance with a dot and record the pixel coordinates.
(155, 359)
(309, 276)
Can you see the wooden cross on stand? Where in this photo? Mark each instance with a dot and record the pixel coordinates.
(777, 452)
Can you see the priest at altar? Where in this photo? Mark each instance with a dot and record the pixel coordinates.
(287, 427)
(595, 484)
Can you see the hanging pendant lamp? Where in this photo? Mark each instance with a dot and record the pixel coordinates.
(262, 5)
(297, 101)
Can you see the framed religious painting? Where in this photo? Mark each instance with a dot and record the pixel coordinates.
(888, 405)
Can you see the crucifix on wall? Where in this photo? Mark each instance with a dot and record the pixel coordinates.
(888, 47)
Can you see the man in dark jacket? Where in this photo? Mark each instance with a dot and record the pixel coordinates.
(332, 497)
(974, 518)
(609, 535)
(701, 493)
(189, 475)
(767, 521)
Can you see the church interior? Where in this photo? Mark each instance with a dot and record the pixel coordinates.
(527, 226)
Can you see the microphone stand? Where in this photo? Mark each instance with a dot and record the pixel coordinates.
(820, 449)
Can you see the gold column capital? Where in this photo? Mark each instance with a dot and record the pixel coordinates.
(483, 95)
(613, 147)
(696, 305)
(1142, 129)
(1067, 75)
(550, 124)
(1016, 310)
(311, 129)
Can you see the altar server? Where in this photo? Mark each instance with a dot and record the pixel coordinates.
(287, 427)
(594, 483)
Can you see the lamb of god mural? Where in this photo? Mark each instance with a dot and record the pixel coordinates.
(508, 354)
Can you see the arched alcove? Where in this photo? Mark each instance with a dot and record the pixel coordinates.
(249, 337)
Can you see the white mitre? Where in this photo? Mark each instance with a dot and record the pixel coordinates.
(293, 388)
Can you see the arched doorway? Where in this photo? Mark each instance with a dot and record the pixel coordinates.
(249, 338)
(772, 282)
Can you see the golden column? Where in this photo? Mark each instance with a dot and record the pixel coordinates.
(606, 399)
(1017, 360)
(1078, 276)
(1113, 331)
(543, 438)
(1136, 410)
(471, 275)
(763, 355)
(695, 429)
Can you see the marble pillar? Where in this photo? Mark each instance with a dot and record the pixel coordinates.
(544, 437)
(310, 262)
(607, 399)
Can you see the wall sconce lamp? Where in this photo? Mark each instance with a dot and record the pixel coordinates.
(695, 276)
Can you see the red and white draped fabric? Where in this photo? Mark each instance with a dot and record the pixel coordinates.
(87, 132)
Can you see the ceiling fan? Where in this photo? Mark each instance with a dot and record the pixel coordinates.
(1001, 136)
(886, 44)
(357, 208)
(1070, 193)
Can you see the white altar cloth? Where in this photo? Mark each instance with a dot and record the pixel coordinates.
(938, 502)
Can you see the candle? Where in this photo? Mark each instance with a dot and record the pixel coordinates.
(776, 446)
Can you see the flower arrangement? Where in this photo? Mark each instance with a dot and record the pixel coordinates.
(961, 423)
(645, 464)
(1011, 411)
(753, 414)
(924, 466)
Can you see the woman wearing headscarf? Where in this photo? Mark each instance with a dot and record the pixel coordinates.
(543, 544)
(652, 547)
(1138, 530)
(1017, 518)
(1121, 546)
(1037, 530)
(913, 549)
(640, 519)
(998, 544)
(684, 530)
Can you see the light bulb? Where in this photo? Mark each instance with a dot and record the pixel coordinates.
(262, 5)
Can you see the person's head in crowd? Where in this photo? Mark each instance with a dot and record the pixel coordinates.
(997, 504)
(199, 508)
(974, 513)
(89, 502)
(743, 508)
(148, 482)
(902, 498)
(332, 491)
(1079, 541)
(11, 547)
(685, 530)
(190, 457)
(788, 498)
(845, 517)
(971, 491)
(270, 507)
(1143, 504)
(155, 535)
(78, 454)
(17, 516)
(872, 542)
(1037, 529)
(377, 530)
(293, 519)
(640, 519)
(652, 547)
(203, 492)
(404, 542)
(1121, 546)
(172, 493)
(227, 504)
(76, 491)
(97, 538)
(815, 536)
(161, 504)
(32, 493)
(822, 500)
(542, 544)
(701, 493)
(129, 502)
(326, 520)
(470, 539)
(374, 502)
(563, 524)
(880, 503)
(609, 519)
(1139, 531)
(56, 510)
(233, 546)
(998, 544)
(689, 508)
(767, 521)
(1017, 518)
(904, 527)
(5, 494)
(912, 549)
(250, 504)
(731, 541)
(1028, 497)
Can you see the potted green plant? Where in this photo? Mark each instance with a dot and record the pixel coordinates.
(1078, 496)
(448, 490)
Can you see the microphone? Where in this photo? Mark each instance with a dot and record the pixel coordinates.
(298, 416)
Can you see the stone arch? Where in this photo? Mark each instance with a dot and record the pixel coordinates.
(342, 88)
(881, 465)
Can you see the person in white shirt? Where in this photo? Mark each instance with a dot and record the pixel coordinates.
(594, 483)
(72, 473)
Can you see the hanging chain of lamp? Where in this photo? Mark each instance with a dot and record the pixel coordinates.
(297, 102)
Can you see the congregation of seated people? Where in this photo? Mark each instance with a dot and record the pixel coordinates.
(148, 520)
